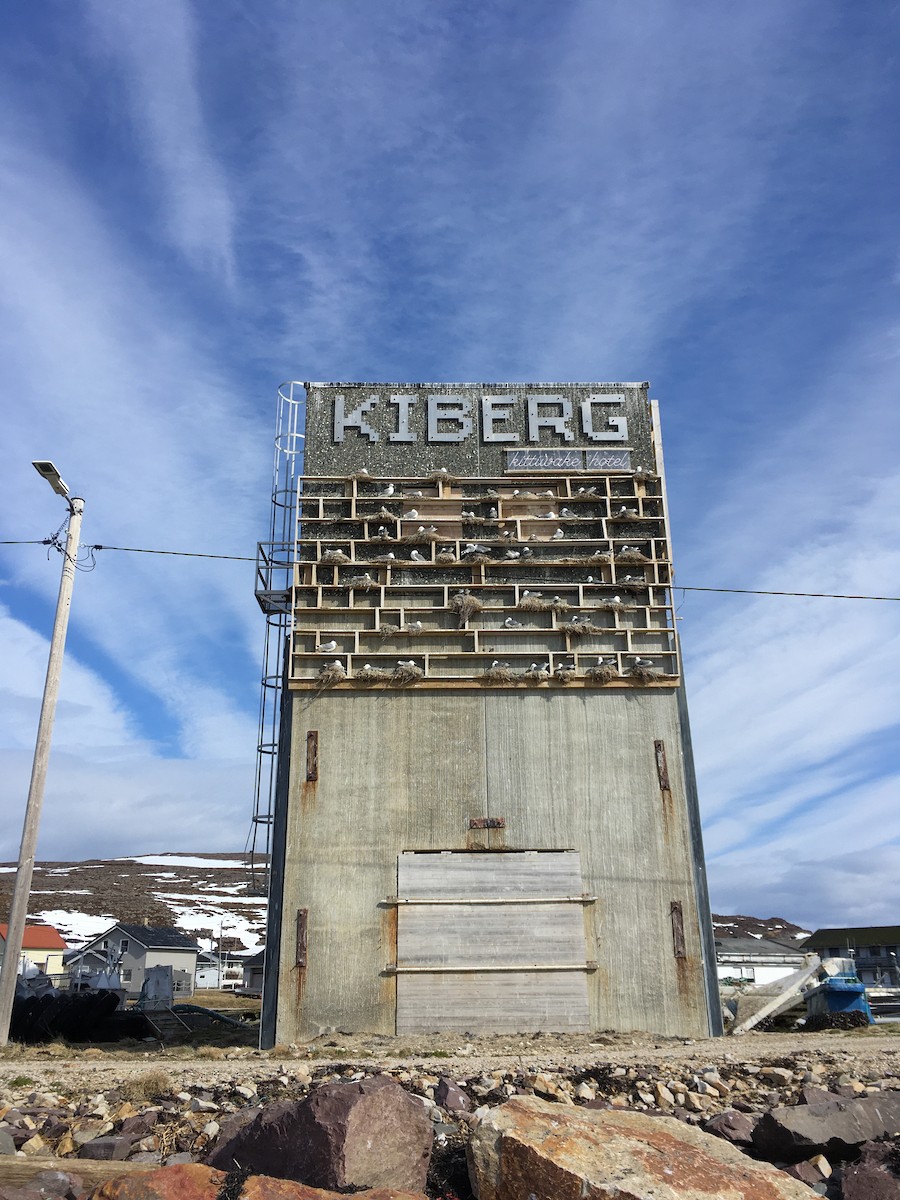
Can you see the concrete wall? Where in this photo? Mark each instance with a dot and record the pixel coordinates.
(405, 770)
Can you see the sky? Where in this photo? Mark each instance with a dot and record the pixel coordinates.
(200, 201)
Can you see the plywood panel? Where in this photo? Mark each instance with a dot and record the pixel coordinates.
(502, 1003)
(490, 935)
(485, 875)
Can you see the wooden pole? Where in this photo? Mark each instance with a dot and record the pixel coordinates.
(22, 888)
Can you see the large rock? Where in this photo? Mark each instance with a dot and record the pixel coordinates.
(735, 1127)
(343, 1135)
(199, 1182)
(875, 1176)
(834, 1127)
(531, 1148)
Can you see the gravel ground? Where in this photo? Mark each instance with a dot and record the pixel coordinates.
(863, 1055)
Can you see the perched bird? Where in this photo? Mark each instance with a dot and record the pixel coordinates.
(513, 554)
(474, 548)
(634, 579)
(382, 531)
(558, 536)
(417, 557)
(389, 490)
(627, 512)
(526, 495)
(386, 513)
(591, 491)
(600, 554)
(411, 495)
(414, 625)
(567, 512)
(590, 579)
(512, 623)
(547, 493)
(642, 662)
(468, 515)
(557, 600)
(409, 516)
(493, 493)
(430, 529)
(549, 515)
(361, 580)
(327, 648)
(534, 538)
(406, 662)
(442, 471)
(492, 513)
(508, 534)
(385, 558)
(336, 662)
(527, 552)
(628, 550)
(498, 663)
(616, 600)
(527, 593)
(446, 549)
(363, 471)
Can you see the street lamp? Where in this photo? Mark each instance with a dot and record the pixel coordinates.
(22, 889)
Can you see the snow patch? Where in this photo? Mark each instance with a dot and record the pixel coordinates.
(181, 860)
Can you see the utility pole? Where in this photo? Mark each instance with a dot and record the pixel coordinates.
(22, 889)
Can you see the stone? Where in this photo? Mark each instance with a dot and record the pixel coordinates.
(834, 1129)
(451, 1097)
(805, 1172)
(109, 1148)
(364, 1134)
(816, 1096)
(34, 1145)
(57, 1183)
(734, 1127)
(7, 1145)
(191, 1182)
(139, 1126)
(664, 1097)
(261, 1187)
(529, 1147)
(873, 1177)
(776, 1074)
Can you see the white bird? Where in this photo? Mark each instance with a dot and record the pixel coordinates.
(411, 495)
(468, 514)
(558, 536)
(566, 512)
(409, 516)
(590, 579)
(527, 593)
(627, 512)
(462, 592)
(417, 557)
(528, 495)
(617, 600)
(599, 554)
(527, 552)
(446, 549)
(430, 529)
(386, 558)
(557, 600)
(382, 531)
(493, 493)
(442, 471)
(547, 493)
(386, 513)
(492, 513)
(511, 623)
(327, 648)
(498, 663)
(549, 515)
(368, 667)
(592, 491)
(513, 554)
(336, 663)
(389, 490)
(406, 662)
(361, 580)
(474, 548)
(363, 471)
(634, 579)
(416, 625)
(629, 549)
(642, 662)
(508, 534)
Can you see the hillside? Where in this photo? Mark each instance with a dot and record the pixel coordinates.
(205, 894)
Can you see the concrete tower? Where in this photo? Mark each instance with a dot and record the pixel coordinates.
(486, 816)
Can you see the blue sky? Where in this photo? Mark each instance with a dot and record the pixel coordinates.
(200, 201)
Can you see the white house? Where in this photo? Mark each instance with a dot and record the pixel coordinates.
(134, 948)
(755, 960)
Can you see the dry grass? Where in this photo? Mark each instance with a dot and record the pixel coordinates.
(579, 628)
(381, 538)
(537, 675)
(362, 477)
(478, 558)
(388, 631)
(644, 476)
(600, 557)
(439, 476)
(148, 1086)
(372, 675)
(331, 674)
(334, 556)
(564, 674)
(447, 556)
(466, 606)
(559, 606)
(385, 514)
(534, 604)
(361, 583)
(604, 674)
(406, 674)
(631, 556)
(497, 675)
(610, 606)
(476, 520)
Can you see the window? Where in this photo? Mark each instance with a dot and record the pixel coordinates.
(834, 952)
(123, 945)
(875, 951)
(125, 975)
(104, 945)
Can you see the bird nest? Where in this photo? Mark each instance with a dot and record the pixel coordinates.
(644, 476)
(601, 556)
(408, 673)
(421, 538)
(567, 560)
(466, 607)
(474, 520)
(335, 556)
(386, 514)
(537, 675)
(438, 476)
(631, 556)
(388, 631)
(610, 606)
(331, 674)
(372, 675)
(412, 631)
(382, 537)
(446, 556)
(559, 606)
(498, 675)
(478, 558)
(362, 477)
(601, 674)
(579, 628)
(564, 674)
(645, 674)
(534, 604)
(361, 583)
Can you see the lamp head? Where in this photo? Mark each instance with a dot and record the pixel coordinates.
(50, 473)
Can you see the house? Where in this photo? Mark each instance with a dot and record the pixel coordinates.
(42, 945)
(755, 960)
(134, 948)
(215, 970)
(874, 948)
(253, 972)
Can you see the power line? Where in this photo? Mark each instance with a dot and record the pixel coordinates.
(678, 586)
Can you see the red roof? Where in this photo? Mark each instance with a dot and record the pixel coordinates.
(38, 937)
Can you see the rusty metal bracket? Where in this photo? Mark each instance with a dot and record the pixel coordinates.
(677, 913)
(487, 822)
(662, 767)
(301, 950)
(312, 756)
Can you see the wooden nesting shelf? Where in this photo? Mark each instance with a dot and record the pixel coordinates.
(548, 581)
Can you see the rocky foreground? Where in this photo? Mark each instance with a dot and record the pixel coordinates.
(767, 1116)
